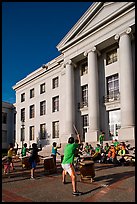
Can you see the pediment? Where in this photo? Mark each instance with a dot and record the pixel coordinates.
(97, 15)
(107, 10)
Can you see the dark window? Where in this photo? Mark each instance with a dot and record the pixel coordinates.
(55, 129)
(111, 56)
(84, 69)
(43, 131)
(31, 93)
(43, 108)
(55, 103)
(4, 118)
(42, 88)
(32, 111)
(85, 120)
(23, 114)
(55, 82)
(31, 133)
(22, 97)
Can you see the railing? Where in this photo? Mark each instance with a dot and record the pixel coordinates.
(111, 97)
(82, 104)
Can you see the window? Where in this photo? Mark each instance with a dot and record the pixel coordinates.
(111, 56)
(55, 103)
(4, 118)
(22, 114)
(85, 120)
(113, 87)
(31, 132)
(56, 129)
(43, 131)
(22, 134)
(55, 82)
(31, 93)
(114, 122)
(22, 97)
(84, 96)
(32, 111)
(43, 108)
(42, 88)
(84, 69)
(85, 124)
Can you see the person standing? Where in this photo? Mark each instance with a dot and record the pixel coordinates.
(54, 151)
(24, 150)
(101, 138)
(33, 159)
(68, 163)
(9, 162)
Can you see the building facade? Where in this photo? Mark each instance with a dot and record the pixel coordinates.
(89, 86)
(8, 124)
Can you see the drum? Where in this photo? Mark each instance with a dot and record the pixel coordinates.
(26, 163)
(49, 165)
(87, 170)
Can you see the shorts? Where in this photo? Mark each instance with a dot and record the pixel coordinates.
(32, 163)
(68, 168)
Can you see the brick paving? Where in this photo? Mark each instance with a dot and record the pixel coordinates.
(112, 184)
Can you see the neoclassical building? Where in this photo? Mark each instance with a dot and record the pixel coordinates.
(8, 124)
(89, 86)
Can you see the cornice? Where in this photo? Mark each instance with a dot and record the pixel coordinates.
(45, 68)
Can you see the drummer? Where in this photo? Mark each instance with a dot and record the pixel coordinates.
(68, 163)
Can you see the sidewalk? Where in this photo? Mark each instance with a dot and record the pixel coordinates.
(112, 184)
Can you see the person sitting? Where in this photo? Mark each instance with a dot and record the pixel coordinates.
(105, 153)
(106, 148)
(87, 148)
(122, 153)
(116, 145)
(112, 155)
(97, 154)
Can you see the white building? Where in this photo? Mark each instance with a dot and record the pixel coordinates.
(8, 124)
(89, 85)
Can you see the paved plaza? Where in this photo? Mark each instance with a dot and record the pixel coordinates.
(111, 184)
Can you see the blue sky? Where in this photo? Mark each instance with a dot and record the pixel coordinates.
(30, 33)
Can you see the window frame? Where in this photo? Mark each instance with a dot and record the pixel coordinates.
(22, 117)
(55, 82)
(32, 111)
(32, 94)
(43, 107)
(55, 104)
(42, 88)
(55, 129)
(42, 131)
(111, 56)
(22, 97)
(31, 132)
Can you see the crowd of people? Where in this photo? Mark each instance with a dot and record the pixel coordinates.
(113, 153)
(102, 153)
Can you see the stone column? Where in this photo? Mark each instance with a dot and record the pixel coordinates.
(69, 98)
(93, 97)
(126, 86)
